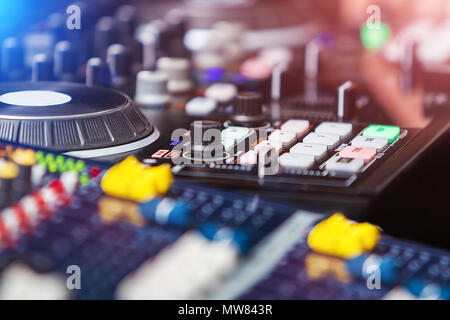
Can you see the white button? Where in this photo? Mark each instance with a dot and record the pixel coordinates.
(296, 161)
(249, 158)
(284, 137)
(345, 164)
(330, 140)
(227, 144)
(200, 106)
(234, 133)
(369, 142)
(295, 125)
(315, 150)
(267, 144)
(339, 128)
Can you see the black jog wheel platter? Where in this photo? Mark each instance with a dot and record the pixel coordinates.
(85, 121)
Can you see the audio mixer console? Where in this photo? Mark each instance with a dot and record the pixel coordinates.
(218, 150)
(153, 240)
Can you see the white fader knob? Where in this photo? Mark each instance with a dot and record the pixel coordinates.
(177, 69)
(151, 88)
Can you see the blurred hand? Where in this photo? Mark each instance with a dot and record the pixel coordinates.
(405, 109)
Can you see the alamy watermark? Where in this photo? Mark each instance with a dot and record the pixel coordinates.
(373, 281)
(73, 21)
(73, 281)
(373, 22)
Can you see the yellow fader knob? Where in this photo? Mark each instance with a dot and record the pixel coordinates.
(132, 180)
(341, 237)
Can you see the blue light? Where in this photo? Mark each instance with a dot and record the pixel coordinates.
(19, 16)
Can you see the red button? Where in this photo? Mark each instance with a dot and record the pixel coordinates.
(367, 154)
(95, 172)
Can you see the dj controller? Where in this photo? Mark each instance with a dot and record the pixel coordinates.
(197, 150)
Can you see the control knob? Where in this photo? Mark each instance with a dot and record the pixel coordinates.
(206, 134)
(248, 110)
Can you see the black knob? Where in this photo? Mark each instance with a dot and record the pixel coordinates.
(12, 59)
(105, 35)
(120, 61)
(126, 19)
(200, 138)
(162, 35)
(126, 22)
(41, 68)
(65, 61)
(177, 27)
(97, 73)
(248, 109)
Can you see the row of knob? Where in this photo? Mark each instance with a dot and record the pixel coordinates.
(247, 112)
(60, 54)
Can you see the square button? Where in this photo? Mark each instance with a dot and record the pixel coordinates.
(367, 154)
(295, 125)
(284, 137)
(379, 131)
(296, 161)
(234, 133)
(249, 158)
(369, 142)
(330, 140)
(268, 144)
(316, 150)
(350, 165)
(339, 128)
(159, 154)
(227, 144)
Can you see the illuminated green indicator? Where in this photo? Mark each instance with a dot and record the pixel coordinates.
(39, 155)
(79, 166)
(52, 166)
(61, 167)
(50, 158)
(374, 37)
(84, 179)
(389, 132)
(60, 159)
(70, 165)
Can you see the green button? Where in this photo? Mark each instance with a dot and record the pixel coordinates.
(389, 132)
(84, 179)
(374, 38)
(52, 167)
(70, 165)
(79, 165)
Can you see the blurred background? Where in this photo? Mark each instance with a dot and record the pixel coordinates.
(401, 64)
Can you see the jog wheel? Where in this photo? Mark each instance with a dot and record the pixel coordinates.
(84, 121)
